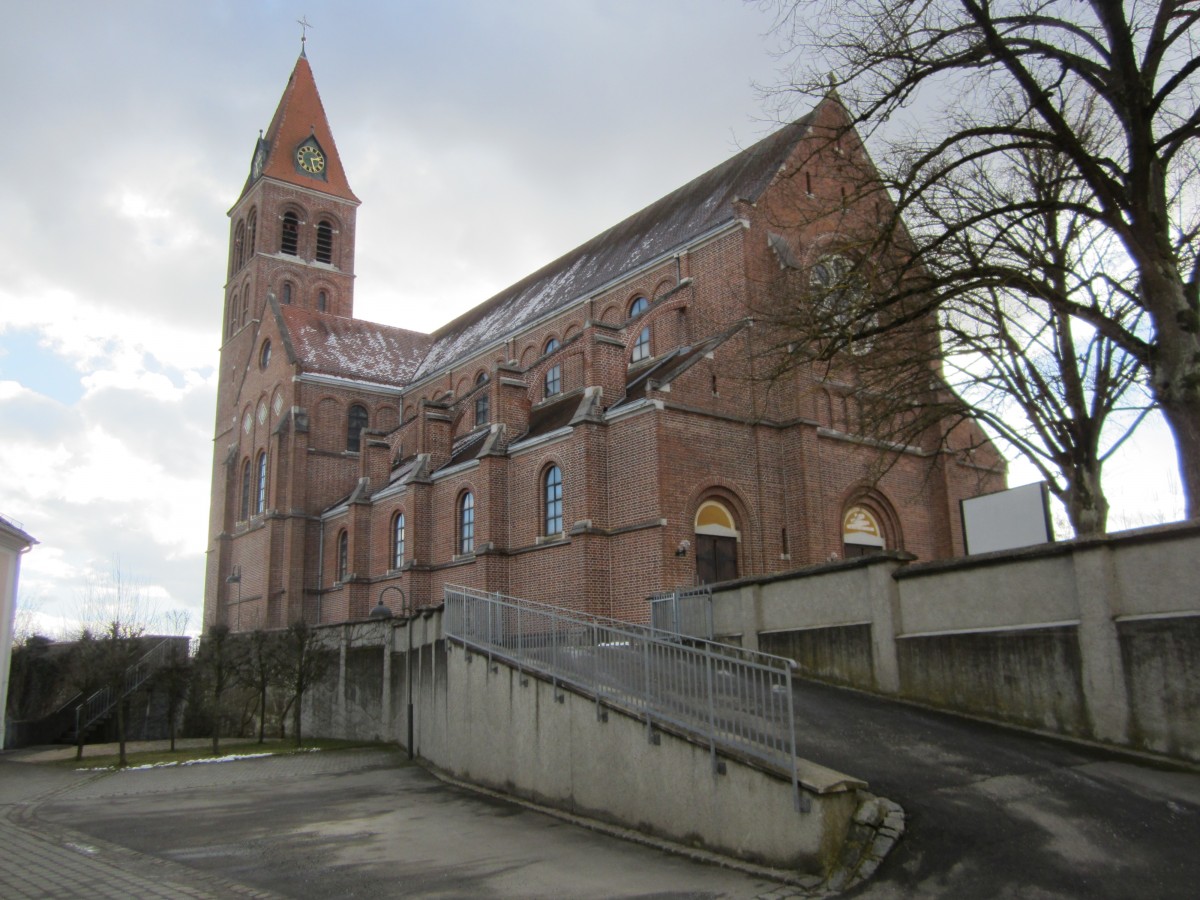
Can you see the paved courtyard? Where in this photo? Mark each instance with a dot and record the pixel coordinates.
(332, 824)
(991, 812)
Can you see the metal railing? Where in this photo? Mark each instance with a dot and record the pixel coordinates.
(733, 699)
(687, 611)
(98, 705)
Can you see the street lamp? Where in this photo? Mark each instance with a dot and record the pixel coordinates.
(408, 627)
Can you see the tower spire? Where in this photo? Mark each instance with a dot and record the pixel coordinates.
(298, 145)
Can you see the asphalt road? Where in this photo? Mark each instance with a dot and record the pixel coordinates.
(990, 813)
(993, 812)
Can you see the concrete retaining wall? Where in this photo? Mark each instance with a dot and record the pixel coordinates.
(1098, 638)
(484, 722)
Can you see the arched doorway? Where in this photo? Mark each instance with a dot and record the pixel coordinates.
(862, 534)
(716, 543)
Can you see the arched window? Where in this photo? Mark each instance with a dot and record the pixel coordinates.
(324, 242)
(553, 493)
(289, 240)
(716, 543)
(322, 301)
(233, 314)
(245, 490)
(287, 293)
(398, 540)
(481, 400)
(251, 233)
(554, 373)
(466, 523)
(356, 421)
(239, 246)
(343, 555)
(260, 497)
(862, 534)
(245, 309)
(641, 347)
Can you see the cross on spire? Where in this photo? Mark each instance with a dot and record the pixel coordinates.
(304, 26)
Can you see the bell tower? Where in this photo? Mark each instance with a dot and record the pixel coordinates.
(291, 244)
(292, 228)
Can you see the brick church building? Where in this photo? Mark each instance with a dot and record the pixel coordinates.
(588, 436)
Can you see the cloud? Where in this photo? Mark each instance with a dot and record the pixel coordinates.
(484, 139)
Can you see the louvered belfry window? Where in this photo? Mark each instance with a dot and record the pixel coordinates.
(324, 242)
(290, 240)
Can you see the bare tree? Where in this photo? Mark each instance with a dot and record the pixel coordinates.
(174, 677)
(1052, 388)
(216, 663)
(304, 660)
(119, 613)
(258, 667)
(1110, 89)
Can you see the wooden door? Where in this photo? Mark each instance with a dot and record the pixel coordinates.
(716, 558)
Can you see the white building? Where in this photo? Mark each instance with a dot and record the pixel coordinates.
(13, 543)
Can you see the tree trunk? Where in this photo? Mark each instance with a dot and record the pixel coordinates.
(216, 735)
(1087, 506)
(262, 713)
(296, 717)
(1184, 421)
(1175, 367)
(122, 762)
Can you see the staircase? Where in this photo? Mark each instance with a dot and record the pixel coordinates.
(94, 711)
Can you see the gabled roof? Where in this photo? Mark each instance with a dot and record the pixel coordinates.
(300, 116)
(352, 348)
(698, 207)
(672, 365)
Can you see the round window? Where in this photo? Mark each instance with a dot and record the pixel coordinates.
(264, 355)
(839, 291)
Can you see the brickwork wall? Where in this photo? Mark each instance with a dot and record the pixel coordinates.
(780, 453)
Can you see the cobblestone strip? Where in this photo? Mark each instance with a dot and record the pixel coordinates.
(878, 823)
(40, 861)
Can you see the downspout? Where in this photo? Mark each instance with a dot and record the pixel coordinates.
(320, 567)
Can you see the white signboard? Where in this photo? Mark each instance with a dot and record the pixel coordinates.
(1005, 520)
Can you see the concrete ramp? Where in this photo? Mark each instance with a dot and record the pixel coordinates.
(512, 730)
(582, 738)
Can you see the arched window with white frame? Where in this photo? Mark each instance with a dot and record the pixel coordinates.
(641, 347)
(466, 523)
(260, 495)
(552, 494)
(398, 540)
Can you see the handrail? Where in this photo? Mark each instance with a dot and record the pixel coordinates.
(99, 703)
(733, 699)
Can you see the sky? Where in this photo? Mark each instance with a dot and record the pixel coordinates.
(485, 139)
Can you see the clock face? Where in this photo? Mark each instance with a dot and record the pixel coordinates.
(310, 158)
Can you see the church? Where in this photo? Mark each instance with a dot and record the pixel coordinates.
(602, 430)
